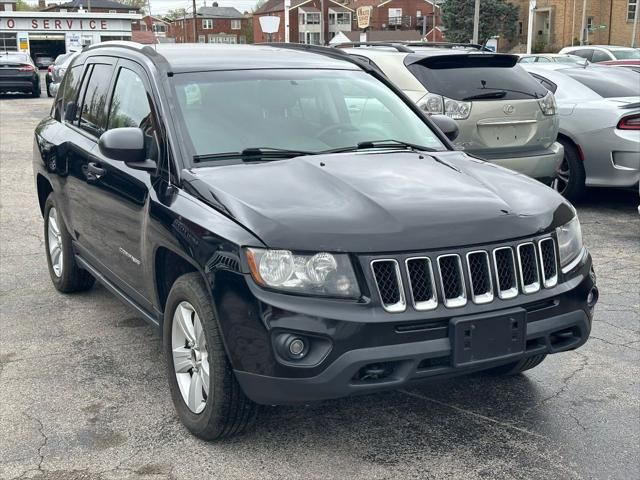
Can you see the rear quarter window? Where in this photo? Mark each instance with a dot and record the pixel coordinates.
(467, 77)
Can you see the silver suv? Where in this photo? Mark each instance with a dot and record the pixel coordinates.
(502, 115)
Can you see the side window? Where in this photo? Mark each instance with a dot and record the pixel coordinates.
(93, 114)
(548, 84)
(527, 59)
(543, 60)
(584, 53)
(600, 56)
(130, 107)
(68, 91)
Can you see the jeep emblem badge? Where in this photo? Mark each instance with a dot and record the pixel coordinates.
(508, 109)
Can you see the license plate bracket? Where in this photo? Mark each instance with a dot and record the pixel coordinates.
(486, 337)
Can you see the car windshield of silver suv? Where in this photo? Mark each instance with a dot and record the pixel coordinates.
(297, 229)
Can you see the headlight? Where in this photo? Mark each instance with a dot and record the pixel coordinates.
(548, 104)
(322, 273)
(569, 241)
(433, 104)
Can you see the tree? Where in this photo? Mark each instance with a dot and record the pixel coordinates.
(135, 4)
(497, 17)
(175, 13)
(22, 6)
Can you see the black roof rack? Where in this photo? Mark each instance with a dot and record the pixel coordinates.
(477, 46)
(327, 51)
(399, 46)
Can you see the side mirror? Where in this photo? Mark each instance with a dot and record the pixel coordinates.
(123, 144)
(448, 126)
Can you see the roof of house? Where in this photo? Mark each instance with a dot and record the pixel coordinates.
(106, 4)
(220, 12)
(277, 6)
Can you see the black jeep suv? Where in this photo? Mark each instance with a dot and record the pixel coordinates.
(297, 228)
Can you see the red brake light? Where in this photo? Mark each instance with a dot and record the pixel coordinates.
(50, 69)
(27, 68)
(632, 122)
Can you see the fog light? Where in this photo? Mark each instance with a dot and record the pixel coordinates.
(296, 347)
(590, 297)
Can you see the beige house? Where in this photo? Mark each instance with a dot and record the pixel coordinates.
(558, 23)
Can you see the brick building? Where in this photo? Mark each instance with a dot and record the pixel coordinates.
(7, 5)
(557, 23)
(390, 19)
(213, 24)
(150, 29)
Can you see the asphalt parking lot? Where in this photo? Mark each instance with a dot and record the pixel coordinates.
(83, 393)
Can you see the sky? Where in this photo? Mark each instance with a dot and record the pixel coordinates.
(159, 7)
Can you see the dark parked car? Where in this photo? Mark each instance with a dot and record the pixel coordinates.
(297, 228)
(18, 74)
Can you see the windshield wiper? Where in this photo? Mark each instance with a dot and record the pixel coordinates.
(389, 143)
(253, 154)
(480, 96)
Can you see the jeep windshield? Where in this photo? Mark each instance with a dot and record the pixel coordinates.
(305, 111)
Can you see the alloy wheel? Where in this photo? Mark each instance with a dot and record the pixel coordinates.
(54, 240)
(190, 357)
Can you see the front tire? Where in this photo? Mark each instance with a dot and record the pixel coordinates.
(205, 393)
(570, 175)
(65, 273)
(519, 366)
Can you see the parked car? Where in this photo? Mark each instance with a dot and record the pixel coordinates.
(43, 62)
(633, 65)
(602, 53)
(18, 74)
(599, 110)
(553, 58)
(503, 116)
(297, 228)
(57, 71)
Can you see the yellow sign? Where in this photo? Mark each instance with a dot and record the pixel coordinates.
(364, 16)
(24, 44)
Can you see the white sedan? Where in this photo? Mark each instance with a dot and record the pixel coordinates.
(599, 109)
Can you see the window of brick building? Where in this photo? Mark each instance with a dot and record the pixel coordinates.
(632, 7)
(235, 25)
(207, 24)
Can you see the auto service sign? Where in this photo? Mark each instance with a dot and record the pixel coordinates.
(364, 16)
(60, 24)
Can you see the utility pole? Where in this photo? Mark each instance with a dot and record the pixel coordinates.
(635, 26)
(287, 31)
(195, 40)
(573, 23)
(584, 34)
(476, 22)
(530, 24)
(321, 22)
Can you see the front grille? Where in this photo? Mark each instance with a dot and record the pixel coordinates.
(422, 285)
(548, 262)
(479, 270)
(528, 263)
(389, 283)
(452, 281)
(480, 275)
(505, 271)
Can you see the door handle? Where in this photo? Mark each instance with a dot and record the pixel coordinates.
(94, 172)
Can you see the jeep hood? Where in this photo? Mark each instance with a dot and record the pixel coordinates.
(379, 202)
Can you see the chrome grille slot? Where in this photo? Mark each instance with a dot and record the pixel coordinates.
(452, 281)
(479, 270)
(422, 285)
(548, 262)
(528, 263)
(389, 284)
(504, 264)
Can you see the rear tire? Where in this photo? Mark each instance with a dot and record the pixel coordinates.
(518, 367)
(204, 390)
(36, 92)
(49, 90)
(570, 175)
(65, 273)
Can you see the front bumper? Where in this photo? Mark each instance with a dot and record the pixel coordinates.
(539, 165)
(557, 320)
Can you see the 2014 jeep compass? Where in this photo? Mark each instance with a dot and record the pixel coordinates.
(297, 228)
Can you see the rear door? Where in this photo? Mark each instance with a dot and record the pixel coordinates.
(494, 101)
